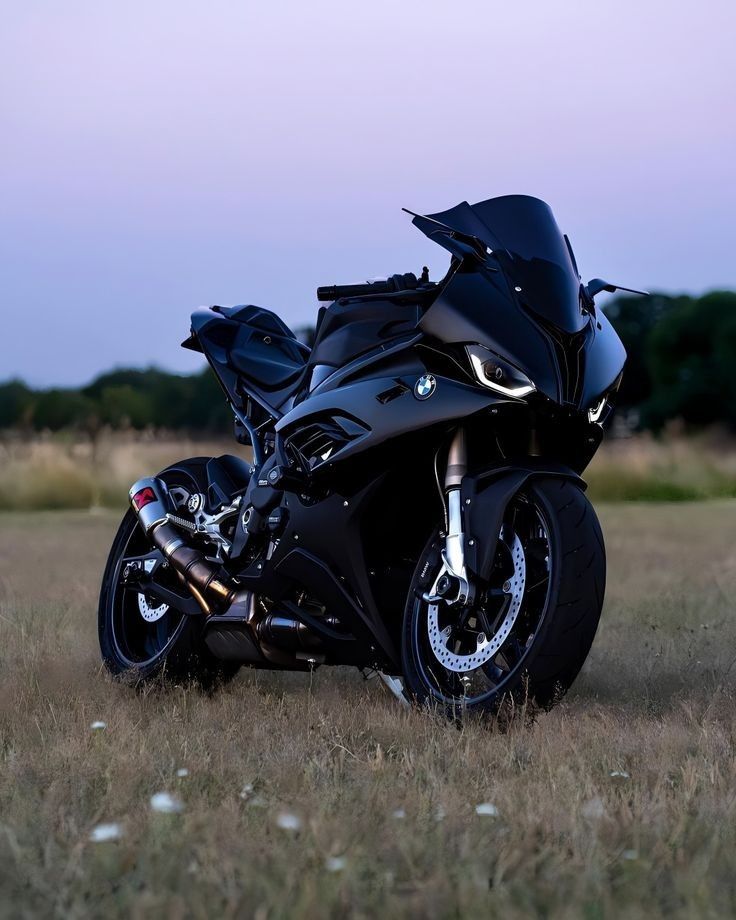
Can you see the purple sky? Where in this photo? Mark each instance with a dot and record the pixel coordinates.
(159, 155)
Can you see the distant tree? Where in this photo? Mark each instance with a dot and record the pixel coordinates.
(692, 354)
(208, 408)
(634, 319)
(16, 404)
(57, 409)
(150, 384)
(154, 397)
(124, 407)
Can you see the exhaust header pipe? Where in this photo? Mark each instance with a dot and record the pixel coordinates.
(149, 499)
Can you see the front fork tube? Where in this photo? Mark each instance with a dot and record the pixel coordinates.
(452, 585)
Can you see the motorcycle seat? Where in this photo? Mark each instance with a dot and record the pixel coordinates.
(266, 366)
(264, 349)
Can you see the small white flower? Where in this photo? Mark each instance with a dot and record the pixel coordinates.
(619, 776)
(593, 809)
(486, 809)
(439, 813)
(335, 863)
(398, 813)
(630, 854)
(182, 772)
(288, 821)
(98, 726)
(104, 832)
(249, 795)
(166, 803)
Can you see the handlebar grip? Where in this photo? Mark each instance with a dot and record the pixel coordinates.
(336, 291)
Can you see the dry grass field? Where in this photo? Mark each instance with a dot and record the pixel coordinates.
(619, 803)
(66, 471)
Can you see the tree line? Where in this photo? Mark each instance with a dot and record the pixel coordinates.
(120, 399)
(682, 357)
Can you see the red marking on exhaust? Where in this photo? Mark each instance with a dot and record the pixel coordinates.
(144, 497)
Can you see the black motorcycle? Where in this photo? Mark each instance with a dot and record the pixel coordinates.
(414, 505)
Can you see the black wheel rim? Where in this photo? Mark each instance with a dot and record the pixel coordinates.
(527, 520)
(139, 643)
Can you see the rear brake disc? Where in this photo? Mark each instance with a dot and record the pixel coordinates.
(150, 613)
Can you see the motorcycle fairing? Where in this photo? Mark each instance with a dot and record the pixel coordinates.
(384, 407)
(348, 330)
(475, 307)
(332, 529)
(325, 547)
(523, 301)
(605, 357)
(529, 248)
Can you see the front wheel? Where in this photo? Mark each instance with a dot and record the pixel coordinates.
(534, 616)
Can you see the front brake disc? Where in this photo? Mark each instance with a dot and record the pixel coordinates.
(487, 646)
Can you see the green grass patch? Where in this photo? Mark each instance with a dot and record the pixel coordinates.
(630, 487)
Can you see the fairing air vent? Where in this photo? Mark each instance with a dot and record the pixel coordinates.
(318, 443)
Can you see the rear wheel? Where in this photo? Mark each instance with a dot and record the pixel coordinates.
(534, 615)
(140, 638)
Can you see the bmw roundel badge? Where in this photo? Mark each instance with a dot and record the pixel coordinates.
(425, 386)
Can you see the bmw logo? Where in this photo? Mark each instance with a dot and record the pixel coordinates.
(425, 386)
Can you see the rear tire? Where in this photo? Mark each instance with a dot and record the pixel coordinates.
(171, 647)
(546, 663)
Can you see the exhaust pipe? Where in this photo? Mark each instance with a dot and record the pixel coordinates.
(286, 632)
(150, 501)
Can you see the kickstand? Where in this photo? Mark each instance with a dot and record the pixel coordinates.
(396, 686)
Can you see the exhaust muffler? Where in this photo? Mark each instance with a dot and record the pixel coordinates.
(150, 501)
(293, 643)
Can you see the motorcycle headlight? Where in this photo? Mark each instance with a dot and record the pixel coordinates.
(497, 373)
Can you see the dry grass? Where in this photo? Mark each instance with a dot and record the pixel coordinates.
(671, 469)
(56, 472)
(64, 471)
(656, 702)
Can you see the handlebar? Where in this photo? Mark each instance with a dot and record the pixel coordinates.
(392, 285)
(336, 291)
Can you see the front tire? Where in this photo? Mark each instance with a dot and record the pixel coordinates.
(552, 627)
